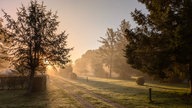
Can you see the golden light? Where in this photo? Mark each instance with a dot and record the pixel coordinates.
(46, 62)
(49, 68)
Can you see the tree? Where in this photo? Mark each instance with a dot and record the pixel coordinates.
(90, 64)
(33, 40)
(65, 72)
(120, 66)
(3, 55)
(1, 25)
(112, 51)
(98, 62)
(107, 50)
(162, 39)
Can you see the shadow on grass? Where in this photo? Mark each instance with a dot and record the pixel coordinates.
(160, 87)
(105, 84)
(161, 96)
(18, 99)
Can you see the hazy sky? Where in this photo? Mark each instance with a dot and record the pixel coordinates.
(84, 20)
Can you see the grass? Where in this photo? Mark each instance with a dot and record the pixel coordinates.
(16, 99)
(97, 103)
(124, 92)
(52, 98)
(129, 94)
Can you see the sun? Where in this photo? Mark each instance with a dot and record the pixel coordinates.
(50, 70)
(46, 62)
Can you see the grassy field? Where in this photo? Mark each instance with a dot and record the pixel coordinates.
(124, 92)
(131, 95)
(52, 98)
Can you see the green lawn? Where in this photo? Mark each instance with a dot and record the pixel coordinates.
(128, 93)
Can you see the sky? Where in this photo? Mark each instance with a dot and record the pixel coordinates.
(85, 21)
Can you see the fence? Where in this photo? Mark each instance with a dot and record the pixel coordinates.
(21, 82)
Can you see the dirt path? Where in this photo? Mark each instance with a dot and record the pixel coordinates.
(78, 92)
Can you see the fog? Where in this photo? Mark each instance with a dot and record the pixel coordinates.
(91, 65)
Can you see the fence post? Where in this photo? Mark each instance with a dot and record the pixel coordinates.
(150, 97)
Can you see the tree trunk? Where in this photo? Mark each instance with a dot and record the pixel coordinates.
(30, 84)
(111, 64)
(110, 69)
(190, 77)
(190, 83)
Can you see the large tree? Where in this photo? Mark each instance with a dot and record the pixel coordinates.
(119, 65)
(107, 49)
(33, 39)
(162, 40)
(112, 50)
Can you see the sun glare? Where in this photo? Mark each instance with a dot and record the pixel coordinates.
(46, 62)
(49, 70)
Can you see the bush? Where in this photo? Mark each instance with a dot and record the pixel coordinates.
(140, 81)
(73, 76)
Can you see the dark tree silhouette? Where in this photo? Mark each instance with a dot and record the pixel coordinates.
(33, 40)
(162, 40)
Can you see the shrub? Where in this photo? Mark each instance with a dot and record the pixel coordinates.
(73, 76)
(140, 81)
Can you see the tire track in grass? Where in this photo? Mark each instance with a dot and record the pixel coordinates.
(108, 101)
(70, 90)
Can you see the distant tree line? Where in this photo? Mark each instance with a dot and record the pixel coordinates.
(108, 60)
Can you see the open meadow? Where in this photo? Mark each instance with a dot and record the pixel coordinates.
(100, 93)
(129, 94)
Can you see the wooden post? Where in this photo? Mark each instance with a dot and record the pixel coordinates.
(87, 79)
(150, 97)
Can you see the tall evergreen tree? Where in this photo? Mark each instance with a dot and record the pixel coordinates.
(33, 39)
(162, 37)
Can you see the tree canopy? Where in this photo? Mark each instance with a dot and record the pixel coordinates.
(33, 39)
(160, 44)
